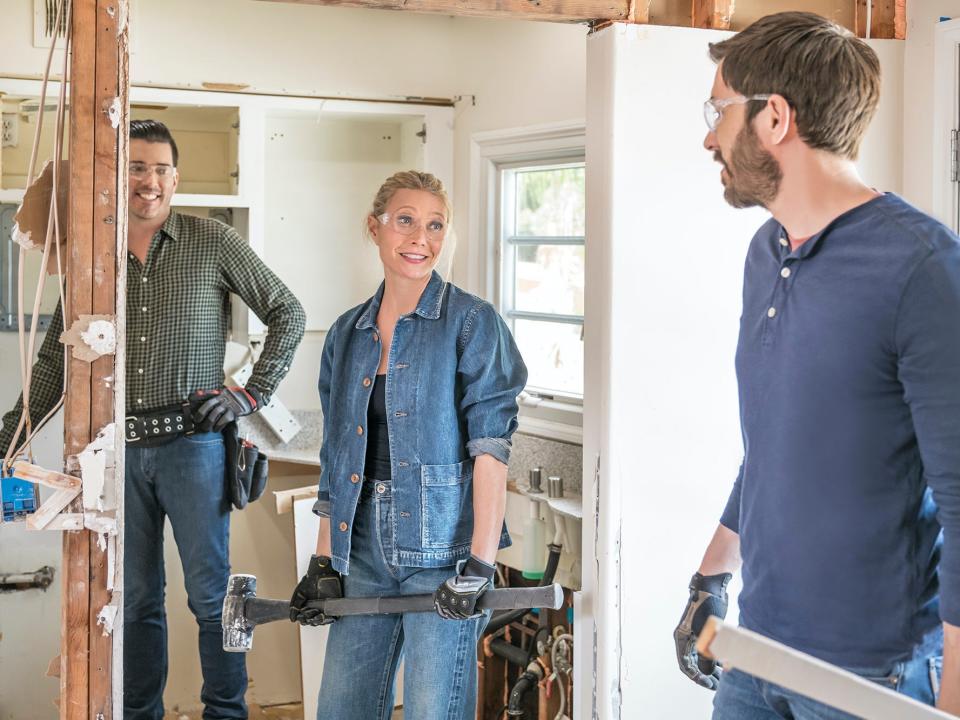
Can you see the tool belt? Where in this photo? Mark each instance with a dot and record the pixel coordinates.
(158, 424)
(246, 468)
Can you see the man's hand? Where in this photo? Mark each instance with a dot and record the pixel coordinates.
(215, 409)
(320, 583)
(708, 596)
(456, 598)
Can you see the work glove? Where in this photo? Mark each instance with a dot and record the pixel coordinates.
(457, 597)
(321, 582)
(215, 409)
(708, 596)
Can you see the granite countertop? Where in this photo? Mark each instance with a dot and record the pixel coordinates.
(304, 448)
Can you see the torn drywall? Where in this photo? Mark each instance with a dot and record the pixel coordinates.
(91, 336)
(33, 216)
(94, 461)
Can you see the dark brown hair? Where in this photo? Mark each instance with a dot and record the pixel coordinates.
(829, 77)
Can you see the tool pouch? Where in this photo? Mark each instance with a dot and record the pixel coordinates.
(246, 468)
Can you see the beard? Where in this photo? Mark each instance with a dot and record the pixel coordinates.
(754, 175)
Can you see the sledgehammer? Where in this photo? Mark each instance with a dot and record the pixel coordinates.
(243, 610)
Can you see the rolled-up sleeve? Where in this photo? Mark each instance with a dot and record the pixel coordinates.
(322, 506)
(492, 374)
(928, 348)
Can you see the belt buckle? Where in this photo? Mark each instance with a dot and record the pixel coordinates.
(137, 438)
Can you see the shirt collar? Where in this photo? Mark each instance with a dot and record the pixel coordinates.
(811, 245)
(431, 300)
(171, 228)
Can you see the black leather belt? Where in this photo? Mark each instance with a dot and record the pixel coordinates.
(158, 423)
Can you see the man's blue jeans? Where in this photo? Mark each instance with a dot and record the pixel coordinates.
(743, 697)
(182, 480)
(363, 652)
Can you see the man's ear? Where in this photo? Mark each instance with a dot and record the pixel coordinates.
(778, 119)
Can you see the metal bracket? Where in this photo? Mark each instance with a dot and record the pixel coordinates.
(954, 156)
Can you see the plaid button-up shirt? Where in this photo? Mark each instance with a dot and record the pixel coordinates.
(178, 311)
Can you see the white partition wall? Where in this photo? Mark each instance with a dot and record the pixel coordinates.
(661, 427)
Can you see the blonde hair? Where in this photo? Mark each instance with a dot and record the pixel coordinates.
(417, 180)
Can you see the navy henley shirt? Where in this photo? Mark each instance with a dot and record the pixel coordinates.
(848, 366)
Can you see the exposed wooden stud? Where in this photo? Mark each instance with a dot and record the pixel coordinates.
(97, 133)
(556, 11)
(638, 11)
(711, 14)
(888, 19)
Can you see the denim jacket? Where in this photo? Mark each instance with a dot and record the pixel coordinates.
(453, 376)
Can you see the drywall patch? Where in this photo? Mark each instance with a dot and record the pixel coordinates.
(95, 460)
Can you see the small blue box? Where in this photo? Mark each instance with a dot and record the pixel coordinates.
(20, 498)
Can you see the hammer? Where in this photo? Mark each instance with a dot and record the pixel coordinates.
(243, 610)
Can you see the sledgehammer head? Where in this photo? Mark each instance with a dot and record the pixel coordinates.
(237, 630)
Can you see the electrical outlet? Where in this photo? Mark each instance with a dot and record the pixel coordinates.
(9, 131)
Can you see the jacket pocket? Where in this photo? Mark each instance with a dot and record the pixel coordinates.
(446, 505)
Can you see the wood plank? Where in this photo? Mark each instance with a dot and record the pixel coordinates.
(557, 11)
(888, 19)
(48, 478)
(774, 662)
(51, 508)
(75, 630)
(711, 14)
(108, 98)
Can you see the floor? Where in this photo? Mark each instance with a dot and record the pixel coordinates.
(293, 711)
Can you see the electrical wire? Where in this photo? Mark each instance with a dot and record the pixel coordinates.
(27, 347)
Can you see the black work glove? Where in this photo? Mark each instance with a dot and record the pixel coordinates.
(320, 583)
(708, 596)
(456, 598)
(215, 409)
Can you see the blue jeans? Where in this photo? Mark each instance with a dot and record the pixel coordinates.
(363, 652)
(182, 480)
(744, 697)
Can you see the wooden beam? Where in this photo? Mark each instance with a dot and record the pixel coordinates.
(888, 19)
(548, 10)
(711, 14)
(98, 101)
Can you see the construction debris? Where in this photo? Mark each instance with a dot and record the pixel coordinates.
(91, 337)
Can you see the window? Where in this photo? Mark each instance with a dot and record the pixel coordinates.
(542, 247)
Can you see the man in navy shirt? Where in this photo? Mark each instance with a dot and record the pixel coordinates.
(846, 509)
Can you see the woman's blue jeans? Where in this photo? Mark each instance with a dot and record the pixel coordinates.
(183, 480)
(363, 652)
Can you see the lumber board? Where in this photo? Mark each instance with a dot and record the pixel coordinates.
(711, 14)
(51, 508)
(888, 19)
(554, 11)
(42, 476)
(774, 662)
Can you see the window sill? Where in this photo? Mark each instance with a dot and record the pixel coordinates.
(551, 420)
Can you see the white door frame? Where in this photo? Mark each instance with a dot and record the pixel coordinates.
(946, 117)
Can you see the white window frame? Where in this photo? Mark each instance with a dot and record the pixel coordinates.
(946, 118)
(557, 417)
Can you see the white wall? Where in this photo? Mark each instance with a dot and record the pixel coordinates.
(665, 272)
(918, 95)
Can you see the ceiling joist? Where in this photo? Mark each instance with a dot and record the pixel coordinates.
(550, 10)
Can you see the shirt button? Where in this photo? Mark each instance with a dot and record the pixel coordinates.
(139, 401)
(143, 279)
(142, 339)
(144, 309)
(783, 241)
(359, 430)
(771, 312)
(139, 371)
(366, 382)
(785, 273)
(343, 527)
(354, 478)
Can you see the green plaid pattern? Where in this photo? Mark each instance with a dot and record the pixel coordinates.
(178, 314)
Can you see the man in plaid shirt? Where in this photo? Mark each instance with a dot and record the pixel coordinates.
(180, 271)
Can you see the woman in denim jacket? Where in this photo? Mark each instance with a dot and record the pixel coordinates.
(419, 388)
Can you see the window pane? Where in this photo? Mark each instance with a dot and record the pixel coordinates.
(549, 279)
(550, 203)
(553, 353)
